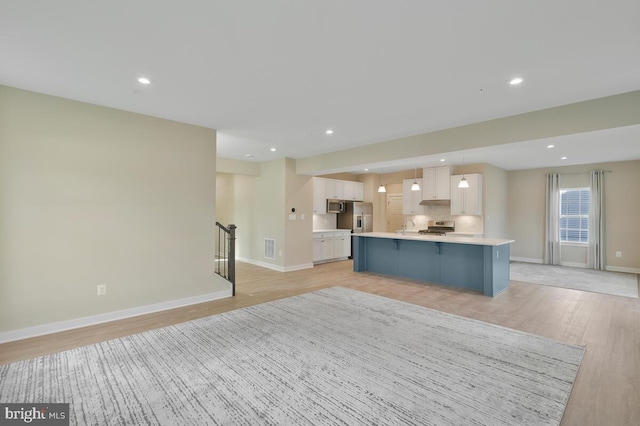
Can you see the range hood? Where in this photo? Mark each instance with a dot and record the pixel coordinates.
(435, 202)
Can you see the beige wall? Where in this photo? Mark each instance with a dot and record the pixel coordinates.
(526, 209)
(340, 176)
(298, 245)
(526, 213)
(242, 213)
(268, 212)
(495, 202)
(260, 207)
(225, 192)
(92, 195)
(229, 165)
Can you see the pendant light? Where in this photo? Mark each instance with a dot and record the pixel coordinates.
(415, 186)
(463, 182)
(382, 188)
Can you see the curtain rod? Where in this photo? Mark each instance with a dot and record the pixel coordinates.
(582, 173)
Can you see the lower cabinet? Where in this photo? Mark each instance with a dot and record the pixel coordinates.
(331, 245)
(342, 245)
(322, 249)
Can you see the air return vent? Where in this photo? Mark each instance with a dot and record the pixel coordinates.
(269, 248)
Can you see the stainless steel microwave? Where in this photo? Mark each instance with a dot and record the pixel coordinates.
(336, 206)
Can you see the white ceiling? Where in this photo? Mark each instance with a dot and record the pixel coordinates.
(603, 146)
(279, 73)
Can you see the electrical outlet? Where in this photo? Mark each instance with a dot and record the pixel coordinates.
(618, 254)
(102, 289)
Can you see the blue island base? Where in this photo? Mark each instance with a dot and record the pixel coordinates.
(484, 268)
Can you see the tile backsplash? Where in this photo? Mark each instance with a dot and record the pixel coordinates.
(325, 221)
(473, 224)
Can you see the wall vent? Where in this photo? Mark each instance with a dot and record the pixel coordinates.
(269, 248)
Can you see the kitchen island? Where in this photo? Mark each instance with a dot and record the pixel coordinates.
(480, 264)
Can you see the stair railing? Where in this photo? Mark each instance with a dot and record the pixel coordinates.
(226, 254)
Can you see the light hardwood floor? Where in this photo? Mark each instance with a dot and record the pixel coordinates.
(607, 388)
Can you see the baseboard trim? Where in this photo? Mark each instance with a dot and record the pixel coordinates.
(623, 269)
(578, 265)
(298, 267)
(573, 264)
(276, 267)
(56, 327)
(261, 264)
(525, 259)
(337, 259)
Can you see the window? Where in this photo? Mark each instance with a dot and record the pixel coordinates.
(574, 215)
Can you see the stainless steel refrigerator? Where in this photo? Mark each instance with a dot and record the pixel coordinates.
(358, 217)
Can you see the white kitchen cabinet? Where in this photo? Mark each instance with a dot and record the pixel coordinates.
(319, 195)
(331, 245)
(348, 189)
(466, 201)
(436, 183)
(353, 191)
(411, 199)
(335, 189)
(342, 245)
(322, 247)
(358, 191)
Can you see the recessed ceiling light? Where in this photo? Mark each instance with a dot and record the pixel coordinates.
(144, 80)
(442, 160)
(366, 170)
(563, 158)
(550, 146)
(248, 155)
(329, 132)
(516, 80)
(272, 149)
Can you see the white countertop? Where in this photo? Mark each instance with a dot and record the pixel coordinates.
(438, 238)
(332, 230)
(465, 234)
(453, 234)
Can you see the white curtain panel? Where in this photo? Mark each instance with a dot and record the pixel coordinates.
(595, 258)
(552, 222)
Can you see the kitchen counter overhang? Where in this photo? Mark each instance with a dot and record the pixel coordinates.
(480, 264)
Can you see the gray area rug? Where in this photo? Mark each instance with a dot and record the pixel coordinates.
(332, 357)
(606, 282)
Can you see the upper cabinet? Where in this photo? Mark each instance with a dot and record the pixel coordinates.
(334, 189)
(319, 195)
(411, 199)
(466, 201)
(352, 191)
(436, 183)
